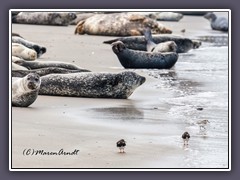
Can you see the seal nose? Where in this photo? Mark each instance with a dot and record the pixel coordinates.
(143, 79)
(33, 55)
(31, 85)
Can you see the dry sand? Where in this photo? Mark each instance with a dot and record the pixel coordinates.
(93, 126)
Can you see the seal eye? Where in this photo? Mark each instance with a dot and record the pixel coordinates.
(36, 79)
(28, 78)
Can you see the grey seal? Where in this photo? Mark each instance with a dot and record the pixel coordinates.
(38, 48)
(139, 42)
(141, 59)
(168, 46)
(217, 23)
(91, 85)
(44, 71)
(119, 24)
(44, 18)
(45, 64)
(25, 90)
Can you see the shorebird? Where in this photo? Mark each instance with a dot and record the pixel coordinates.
(202, 124)
(183, 30)
(121, 145)
(185, 137)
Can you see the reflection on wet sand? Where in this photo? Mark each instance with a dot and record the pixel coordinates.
(169, 79)
(214, 40)
(118, 113)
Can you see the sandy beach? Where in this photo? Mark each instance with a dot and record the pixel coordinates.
(151, 120)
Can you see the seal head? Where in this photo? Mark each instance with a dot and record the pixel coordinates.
(25, 90)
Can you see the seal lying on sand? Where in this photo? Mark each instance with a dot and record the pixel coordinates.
(39, 49)
(119, 24)
(44, 71)
(16, 67)
(92, 85)
(25, 90)
(81, 17)
(192, 13)
(139, 42)
(23, 52)
(140, 59)
(44, 18)
(168, 16)
(217, 23)
(168, 46)
(40, 64)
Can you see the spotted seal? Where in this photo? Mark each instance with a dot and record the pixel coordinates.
(25, 90)
(141, 59)
(44, 18)
(38, 48)
(168, 46)
(23, 52)
(119, 24)
(91, 85)
(217, 23)
(46, 64)
(17, 72)
(139, 42)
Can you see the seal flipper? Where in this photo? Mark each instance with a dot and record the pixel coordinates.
(148, 36)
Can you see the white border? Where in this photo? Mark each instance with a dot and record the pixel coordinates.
(118, 169)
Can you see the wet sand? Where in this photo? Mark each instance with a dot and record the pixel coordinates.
(152, 120)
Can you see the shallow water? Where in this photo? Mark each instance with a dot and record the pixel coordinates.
(198, 80)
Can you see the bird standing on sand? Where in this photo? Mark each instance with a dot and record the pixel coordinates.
(121, 145)
(185, 137)
(217, 23)
(202, 124)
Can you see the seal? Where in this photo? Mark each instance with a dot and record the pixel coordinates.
(44, 71)
(40, 64)
(81, 17)
(192, 13)
(23, 52)
(139, 42)
(168, 46)
(217, 23)
(44, 18)
(25, 90)
(119, 24)
(31, 45)
(91, 85)
(15, 58)
(168, 16)
(145, 60)
(16, 67)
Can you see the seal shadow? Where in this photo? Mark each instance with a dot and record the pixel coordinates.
(125, 113)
